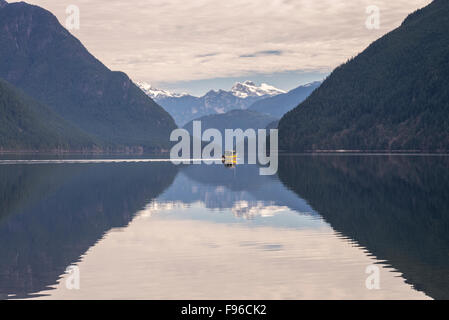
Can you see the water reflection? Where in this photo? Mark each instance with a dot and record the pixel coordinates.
(51, 215)
(166, 258)
(395, 206)
(153, 230)
(241, 192)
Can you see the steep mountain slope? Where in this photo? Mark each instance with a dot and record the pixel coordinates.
(393, 96)
(234, 119)
(272, 125)
(279, 105)
(41, 57)
(185, 108)
(26, 124)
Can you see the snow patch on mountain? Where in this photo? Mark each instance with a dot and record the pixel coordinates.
(241, 90)
(185, 107)
(250, 89)
(155, 93)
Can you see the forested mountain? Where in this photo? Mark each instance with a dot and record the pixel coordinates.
(26, 124)
(43, 59)
(279, 105)
(393, 96)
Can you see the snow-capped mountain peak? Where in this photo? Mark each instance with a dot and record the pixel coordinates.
(250, 89)
(155, 93)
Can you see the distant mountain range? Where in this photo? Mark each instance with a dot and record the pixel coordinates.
(241, 90)
(263, 114)
(394, 96)
(264, 99)
(234, 119)
(280, 104)
(155, 93)
(249, 89)
(51, 66)
(185, 107)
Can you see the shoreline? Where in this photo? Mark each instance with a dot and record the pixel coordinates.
(80, 152)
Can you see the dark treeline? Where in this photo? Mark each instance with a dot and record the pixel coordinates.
(393, 96)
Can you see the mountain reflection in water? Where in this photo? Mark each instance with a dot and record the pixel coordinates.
(397, 207)
(209, 232)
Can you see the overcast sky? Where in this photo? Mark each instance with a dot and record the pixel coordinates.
(197, 45)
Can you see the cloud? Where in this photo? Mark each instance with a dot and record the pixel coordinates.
(205, 55)
(262, 53)
(177, 40)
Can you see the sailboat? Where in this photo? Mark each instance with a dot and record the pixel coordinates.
(229, 159)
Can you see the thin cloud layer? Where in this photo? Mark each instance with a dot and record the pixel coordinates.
(163, 41)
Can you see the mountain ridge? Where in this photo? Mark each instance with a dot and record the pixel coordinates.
(42, 58)
(185, 107)
(391, 97)
(239, 89)
(279, 105)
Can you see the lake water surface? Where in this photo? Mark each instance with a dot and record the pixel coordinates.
(153, 230)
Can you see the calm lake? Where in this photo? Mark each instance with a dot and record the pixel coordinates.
(321, 229)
